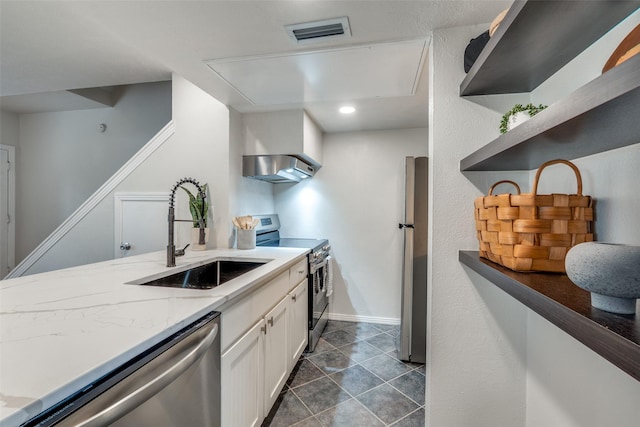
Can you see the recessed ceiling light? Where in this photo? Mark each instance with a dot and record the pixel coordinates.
(347, 110)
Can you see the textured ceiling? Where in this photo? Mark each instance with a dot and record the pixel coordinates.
(48, 46)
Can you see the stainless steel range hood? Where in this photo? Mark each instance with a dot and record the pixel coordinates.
(277, 169)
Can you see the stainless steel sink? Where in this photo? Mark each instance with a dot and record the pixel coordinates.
(205, 276)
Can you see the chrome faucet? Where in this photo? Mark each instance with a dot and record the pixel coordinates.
(172, 253)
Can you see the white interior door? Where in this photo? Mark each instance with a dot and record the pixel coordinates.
(140, 223)
(7, 209)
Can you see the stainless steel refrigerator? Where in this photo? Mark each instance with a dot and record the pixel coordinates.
(413, 319)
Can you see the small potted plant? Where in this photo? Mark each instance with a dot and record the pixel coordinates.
(199, 209)
(519, 114)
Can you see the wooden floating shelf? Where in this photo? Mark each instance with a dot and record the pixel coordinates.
(602, 115)
(554, 297)
(517, 58)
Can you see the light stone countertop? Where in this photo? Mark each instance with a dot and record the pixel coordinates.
(62, 330)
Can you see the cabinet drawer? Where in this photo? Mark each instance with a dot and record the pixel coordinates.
(298, 273)
(238, 318)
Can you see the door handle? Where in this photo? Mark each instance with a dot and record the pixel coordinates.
(270, 321)
(294, 298)
(401, 226)
(114, 411)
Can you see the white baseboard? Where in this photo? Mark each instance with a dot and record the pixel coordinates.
(364, 319)
(149, 148)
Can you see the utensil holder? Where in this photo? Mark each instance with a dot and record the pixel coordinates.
(245, 239)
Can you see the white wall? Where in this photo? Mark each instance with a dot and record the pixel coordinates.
(63, 158)
(9, 128)
(475, 332)
(560, 369)
(199, 148)
(492, 362)
(569, 385)
(283, 132)
(246, 196)
(10, 138)
(356, 201)
(611, 176)
(586, 66)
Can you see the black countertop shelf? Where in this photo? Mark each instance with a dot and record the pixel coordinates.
(601, 115)
(536, 39)
(554, 297)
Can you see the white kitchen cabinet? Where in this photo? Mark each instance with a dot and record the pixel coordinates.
(263, 334)
(299, 331)
(256, 367)
(276, 351)
(245, 312)
(242, 379)
(298, 273)
(283, 132)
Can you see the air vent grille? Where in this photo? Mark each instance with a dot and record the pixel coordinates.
(321, 31)
(317, 31)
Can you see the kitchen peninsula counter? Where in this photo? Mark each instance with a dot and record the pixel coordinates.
(62, 330)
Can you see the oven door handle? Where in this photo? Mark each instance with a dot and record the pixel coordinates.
(316, 267)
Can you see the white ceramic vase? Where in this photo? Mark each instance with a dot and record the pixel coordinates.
(517, 119)
(611, 272)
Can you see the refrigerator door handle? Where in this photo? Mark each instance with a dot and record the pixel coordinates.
(407, 291)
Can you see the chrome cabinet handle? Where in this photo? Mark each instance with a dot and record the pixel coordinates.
(270, 321)
(124, 246)
(114, 411)
(263, 329)
(294, 298)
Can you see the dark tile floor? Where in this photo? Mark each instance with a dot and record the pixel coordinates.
(353, 378)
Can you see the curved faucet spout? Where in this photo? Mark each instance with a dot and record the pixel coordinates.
(171, 248)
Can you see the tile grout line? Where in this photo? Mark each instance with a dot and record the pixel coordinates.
(356, 398)
(306, 407)
(389, 353)
(406, 416)
(388, 382)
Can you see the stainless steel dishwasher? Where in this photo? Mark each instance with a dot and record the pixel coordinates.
(174, 384)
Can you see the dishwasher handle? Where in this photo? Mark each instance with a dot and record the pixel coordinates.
(112, 412)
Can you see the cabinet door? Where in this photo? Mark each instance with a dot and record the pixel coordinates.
(242, 384)
(298, 322)
(276, 352)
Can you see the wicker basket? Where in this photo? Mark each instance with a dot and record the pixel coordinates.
(533, 232)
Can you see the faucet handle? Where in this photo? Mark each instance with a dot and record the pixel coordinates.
(180, 252)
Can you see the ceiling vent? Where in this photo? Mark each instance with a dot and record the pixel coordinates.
(317, 31)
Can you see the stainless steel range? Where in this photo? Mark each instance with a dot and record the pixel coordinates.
(268, 234)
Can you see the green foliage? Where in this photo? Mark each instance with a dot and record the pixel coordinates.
(198, 207)
(530, 108)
